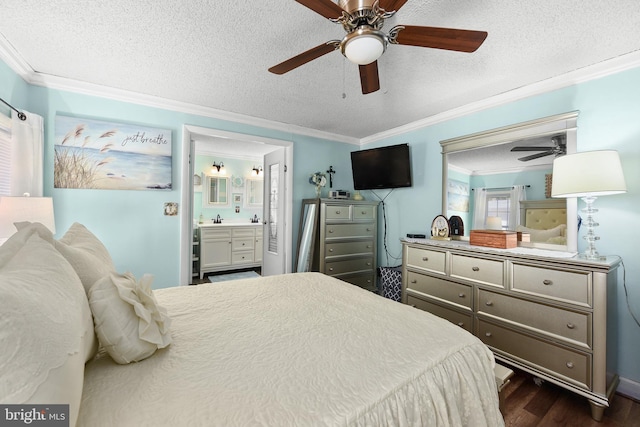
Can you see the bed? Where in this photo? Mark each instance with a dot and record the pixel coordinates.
(299, 349)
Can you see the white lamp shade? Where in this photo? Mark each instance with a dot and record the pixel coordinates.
(32, 209)
(364, 49)
(494, 223)
(590, 173)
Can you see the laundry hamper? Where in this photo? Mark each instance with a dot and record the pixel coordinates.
(391, 282)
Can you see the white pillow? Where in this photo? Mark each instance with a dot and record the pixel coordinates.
(129, 323)
(86, 253)
(542, 235)
(41, 324)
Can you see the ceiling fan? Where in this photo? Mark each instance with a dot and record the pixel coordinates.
(365, 42)
(559, 149)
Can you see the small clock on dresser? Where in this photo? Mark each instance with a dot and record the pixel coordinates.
(440, 228)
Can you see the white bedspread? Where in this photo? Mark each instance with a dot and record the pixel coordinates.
(296, 350)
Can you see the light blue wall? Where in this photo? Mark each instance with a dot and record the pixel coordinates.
(142, 240)
(131, 224)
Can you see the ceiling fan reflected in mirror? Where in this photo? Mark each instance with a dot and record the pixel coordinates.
(364, 42)
(559, 149)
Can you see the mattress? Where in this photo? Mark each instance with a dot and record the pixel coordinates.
(299, 349)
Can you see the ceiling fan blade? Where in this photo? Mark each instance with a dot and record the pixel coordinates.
(392, 5)
(304, 57)
(535, 156)
(441, 38)
(326, 8)
(369, 79)
(525, 148)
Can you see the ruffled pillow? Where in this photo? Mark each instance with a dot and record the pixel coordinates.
(129, 323)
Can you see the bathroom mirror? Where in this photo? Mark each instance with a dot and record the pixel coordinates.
(488, 161)
(215, 191)
(253, 192)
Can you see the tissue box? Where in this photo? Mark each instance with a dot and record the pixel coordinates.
(494, 238)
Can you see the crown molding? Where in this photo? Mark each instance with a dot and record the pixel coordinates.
(592, 72)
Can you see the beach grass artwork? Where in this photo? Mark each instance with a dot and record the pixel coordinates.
(95, 154)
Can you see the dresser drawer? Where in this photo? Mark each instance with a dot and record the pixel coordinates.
(242, 257)
(215, 233)
(348, 248)
(238, 244)
(568, 286)
(244, 232)
(486, 271)
(572, 366)
(463, 320)
(333, 268)
(366, 281)
(342, 231)
(363, 212)
(451, 292)
(572, 326)
(338, 212)
(426, 259)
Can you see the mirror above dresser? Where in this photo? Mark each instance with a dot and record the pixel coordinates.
(499, 160)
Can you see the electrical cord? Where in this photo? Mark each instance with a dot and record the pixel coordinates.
(626, 292)
(384, 223)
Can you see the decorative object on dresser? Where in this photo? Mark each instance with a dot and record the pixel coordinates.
(456, 226)
(494, 238)
(546, 312)
(229, 247)
(440, 228)
(588, 175)
(338, 238)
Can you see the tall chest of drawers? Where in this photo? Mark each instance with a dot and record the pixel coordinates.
(549, 315)
(345, 243)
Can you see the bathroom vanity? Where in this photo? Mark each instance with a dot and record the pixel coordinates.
(229, 246)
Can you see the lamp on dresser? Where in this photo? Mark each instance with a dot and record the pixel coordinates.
(588, 175)
(25, 208)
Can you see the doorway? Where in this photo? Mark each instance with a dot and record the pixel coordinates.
(190, 134)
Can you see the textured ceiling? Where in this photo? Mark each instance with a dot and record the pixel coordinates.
(216, 54)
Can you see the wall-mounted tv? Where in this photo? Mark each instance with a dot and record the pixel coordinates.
(384, 167)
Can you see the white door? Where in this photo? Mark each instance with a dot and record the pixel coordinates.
(273, 236)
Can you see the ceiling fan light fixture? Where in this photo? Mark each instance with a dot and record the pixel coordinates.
(364, 46)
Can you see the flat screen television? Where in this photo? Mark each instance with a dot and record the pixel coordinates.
(384, 167)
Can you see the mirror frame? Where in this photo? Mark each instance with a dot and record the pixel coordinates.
(247, 199)
(565, 123)
(206, 186)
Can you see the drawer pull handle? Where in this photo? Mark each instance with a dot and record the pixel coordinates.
(461, 295)
(369, 264)
(413, 305)
(414, 281)
(570, 365)
(368, 246)
(337, 212)
(330, 231)
(475, 268)
(570, 325)
(488, 303)
(330, 268)
(487, 334)
(368, 229)
(424, 258)
(461, 324)
(331, 250)
(363, 212)
(547, 282)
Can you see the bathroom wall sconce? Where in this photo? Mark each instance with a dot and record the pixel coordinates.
(256, 171)
(218, 168)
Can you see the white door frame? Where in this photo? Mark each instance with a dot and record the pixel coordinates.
(186, 187)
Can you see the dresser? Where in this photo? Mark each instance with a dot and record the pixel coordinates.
(540, 311)
(345, 240)
(229, 247)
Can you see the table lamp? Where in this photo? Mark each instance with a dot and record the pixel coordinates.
(588, 175)
(32, 209)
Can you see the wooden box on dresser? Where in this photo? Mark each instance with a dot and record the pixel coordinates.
(541, 311)
(345, 246)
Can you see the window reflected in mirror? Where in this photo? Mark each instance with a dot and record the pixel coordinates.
(215, 191)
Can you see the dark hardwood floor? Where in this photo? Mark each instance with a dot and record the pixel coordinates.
(527, 404)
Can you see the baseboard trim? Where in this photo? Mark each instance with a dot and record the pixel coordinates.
(629, 388)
